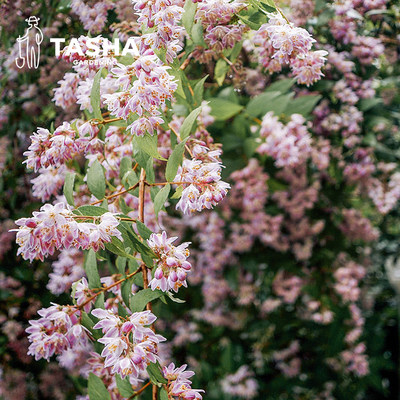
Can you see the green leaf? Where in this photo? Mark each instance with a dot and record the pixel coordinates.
(126, 291)
(117, 247)
(282, 85)
(148, 143)
(121, 264)
(124, 387)
(366, 104)
(174, 161)
(198, 90)
(125, 166)
(260, 105)
(268, 5)
(188, 15)
(278, 106)
(140, 247)
(91, 270)
(155, 374)
(140, 299)
(197, 35)
(178, 193)
(143, 230)
(223, 109)
(188, 123)
(163, 394)
(161, 198)
(96, 180)
(221, 68)
(96, 388)
(95, 95)
(91, 211)
(302, 105)
(69, 188)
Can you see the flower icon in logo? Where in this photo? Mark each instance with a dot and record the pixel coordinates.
(29, 45)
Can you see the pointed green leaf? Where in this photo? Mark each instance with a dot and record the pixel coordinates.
(140, 299)
(174, 161)
(69, 188)
(95, 95)
(188, 16)
(124, 387)
(91, 270)
(161, 198)
(96, 180)
(188, 123)
(96, 388)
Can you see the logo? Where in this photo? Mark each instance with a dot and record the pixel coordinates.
(29, 45)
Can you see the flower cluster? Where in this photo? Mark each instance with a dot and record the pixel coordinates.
(219, 33)
(289, 144)
(52, 149)
(280, 43)
(55, 228)
(164, 16)
(241, 383)
(172, 266)
(148, 93)
(93, 17)
(179, 385)
(128, 346)
(56, 331)
(201, 180)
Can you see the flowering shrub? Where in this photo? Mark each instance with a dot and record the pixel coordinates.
(264, 144)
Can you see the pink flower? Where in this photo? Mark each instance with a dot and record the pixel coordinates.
(172, 266)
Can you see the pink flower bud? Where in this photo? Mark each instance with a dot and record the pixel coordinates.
(159, 273)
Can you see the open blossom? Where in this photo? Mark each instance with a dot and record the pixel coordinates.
(172, 267)
(56, 331)
(54, 228)
(201, 180)
(179, 385)
(130, 345)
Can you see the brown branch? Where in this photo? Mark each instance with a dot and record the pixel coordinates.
(139, 391)
(115, 194)
(105, 289)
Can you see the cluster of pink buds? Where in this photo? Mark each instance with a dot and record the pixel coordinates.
(201, 180)
(219, 33)
(172, 267)
(281, 43)
(57, 331)
(130, 345)
(179, 385)
(164, 17)
(149, 92)
(52, 149)
(288, 144)
(55, 228)
(93, 17)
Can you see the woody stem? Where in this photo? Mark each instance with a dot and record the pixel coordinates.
(105, 289)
